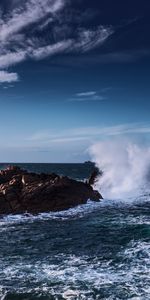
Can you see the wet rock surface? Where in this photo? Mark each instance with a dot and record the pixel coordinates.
(21, 191)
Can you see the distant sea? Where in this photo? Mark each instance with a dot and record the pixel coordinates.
(97, 251)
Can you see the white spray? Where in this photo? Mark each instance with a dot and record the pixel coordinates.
(125, 167)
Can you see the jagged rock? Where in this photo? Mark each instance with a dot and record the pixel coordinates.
(22, 192)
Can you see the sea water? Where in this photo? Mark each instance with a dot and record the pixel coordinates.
(95, 251)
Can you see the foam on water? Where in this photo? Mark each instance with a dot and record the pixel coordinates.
(75, 277)
(125, 275)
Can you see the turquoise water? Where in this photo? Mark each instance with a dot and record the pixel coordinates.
(95, 251)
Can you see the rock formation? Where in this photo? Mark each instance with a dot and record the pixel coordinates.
(21, 191)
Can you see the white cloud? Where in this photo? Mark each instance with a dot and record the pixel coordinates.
(8, 77)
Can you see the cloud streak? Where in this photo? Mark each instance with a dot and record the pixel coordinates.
(116, 57)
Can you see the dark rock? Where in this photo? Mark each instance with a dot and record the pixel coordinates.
(94, 176)
(29, 179)
(4, 205)
(22, 192)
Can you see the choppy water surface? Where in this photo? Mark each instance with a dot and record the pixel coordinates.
(96, 251)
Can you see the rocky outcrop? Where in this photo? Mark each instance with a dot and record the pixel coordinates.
(22, 192)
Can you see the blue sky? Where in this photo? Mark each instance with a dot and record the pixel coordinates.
(72, 73)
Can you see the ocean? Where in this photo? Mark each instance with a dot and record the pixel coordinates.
(95, 251)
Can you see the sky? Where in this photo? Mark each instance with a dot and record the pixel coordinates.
(72, 73)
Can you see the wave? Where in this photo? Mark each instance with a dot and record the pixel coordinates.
(9, 221)
(79, 211)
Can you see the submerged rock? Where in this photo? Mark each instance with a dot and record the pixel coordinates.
(21, 191)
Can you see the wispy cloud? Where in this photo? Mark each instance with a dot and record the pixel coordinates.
(13, 32)
(81, 137)
(50, 50)
(87, 96)
(19, 40)
(88, 133)
(90, 39)
(36, 29)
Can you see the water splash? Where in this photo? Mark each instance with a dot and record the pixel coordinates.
(126, 168)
